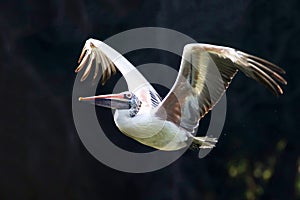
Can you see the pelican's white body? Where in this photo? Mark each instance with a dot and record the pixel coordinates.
(152, 131)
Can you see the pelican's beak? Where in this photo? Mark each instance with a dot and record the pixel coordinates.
(113, 101)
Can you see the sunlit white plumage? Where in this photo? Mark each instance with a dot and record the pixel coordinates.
(205, 73)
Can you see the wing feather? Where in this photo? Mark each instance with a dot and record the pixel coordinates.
(96, 53)
(92, 56)
(205, 73)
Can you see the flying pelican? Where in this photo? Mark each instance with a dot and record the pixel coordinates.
(169, 124)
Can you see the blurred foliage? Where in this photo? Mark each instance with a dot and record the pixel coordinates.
(254, 175)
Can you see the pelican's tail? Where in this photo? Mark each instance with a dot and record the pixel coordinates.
(204, 142)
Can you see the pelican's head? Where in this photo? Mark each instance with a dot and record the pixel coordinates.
(122, 101)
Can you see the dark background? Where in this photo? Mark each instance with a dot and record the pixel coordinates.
(41, 155)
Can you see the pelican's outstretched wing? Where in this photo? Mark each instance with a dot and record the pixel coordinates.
(205, 73)
(96, 53)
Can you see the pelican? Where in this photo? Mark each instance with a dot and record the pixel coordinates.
(169, 124)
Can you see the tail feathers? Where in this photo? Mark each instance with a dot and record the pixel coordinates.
(204, 142)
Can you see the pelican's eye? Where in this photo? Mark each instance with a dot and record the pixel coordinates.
(128, 95)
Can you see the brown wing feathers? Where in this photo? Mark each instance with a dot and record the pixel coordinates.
(196, 69)
(263, 71)
(91, 57)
